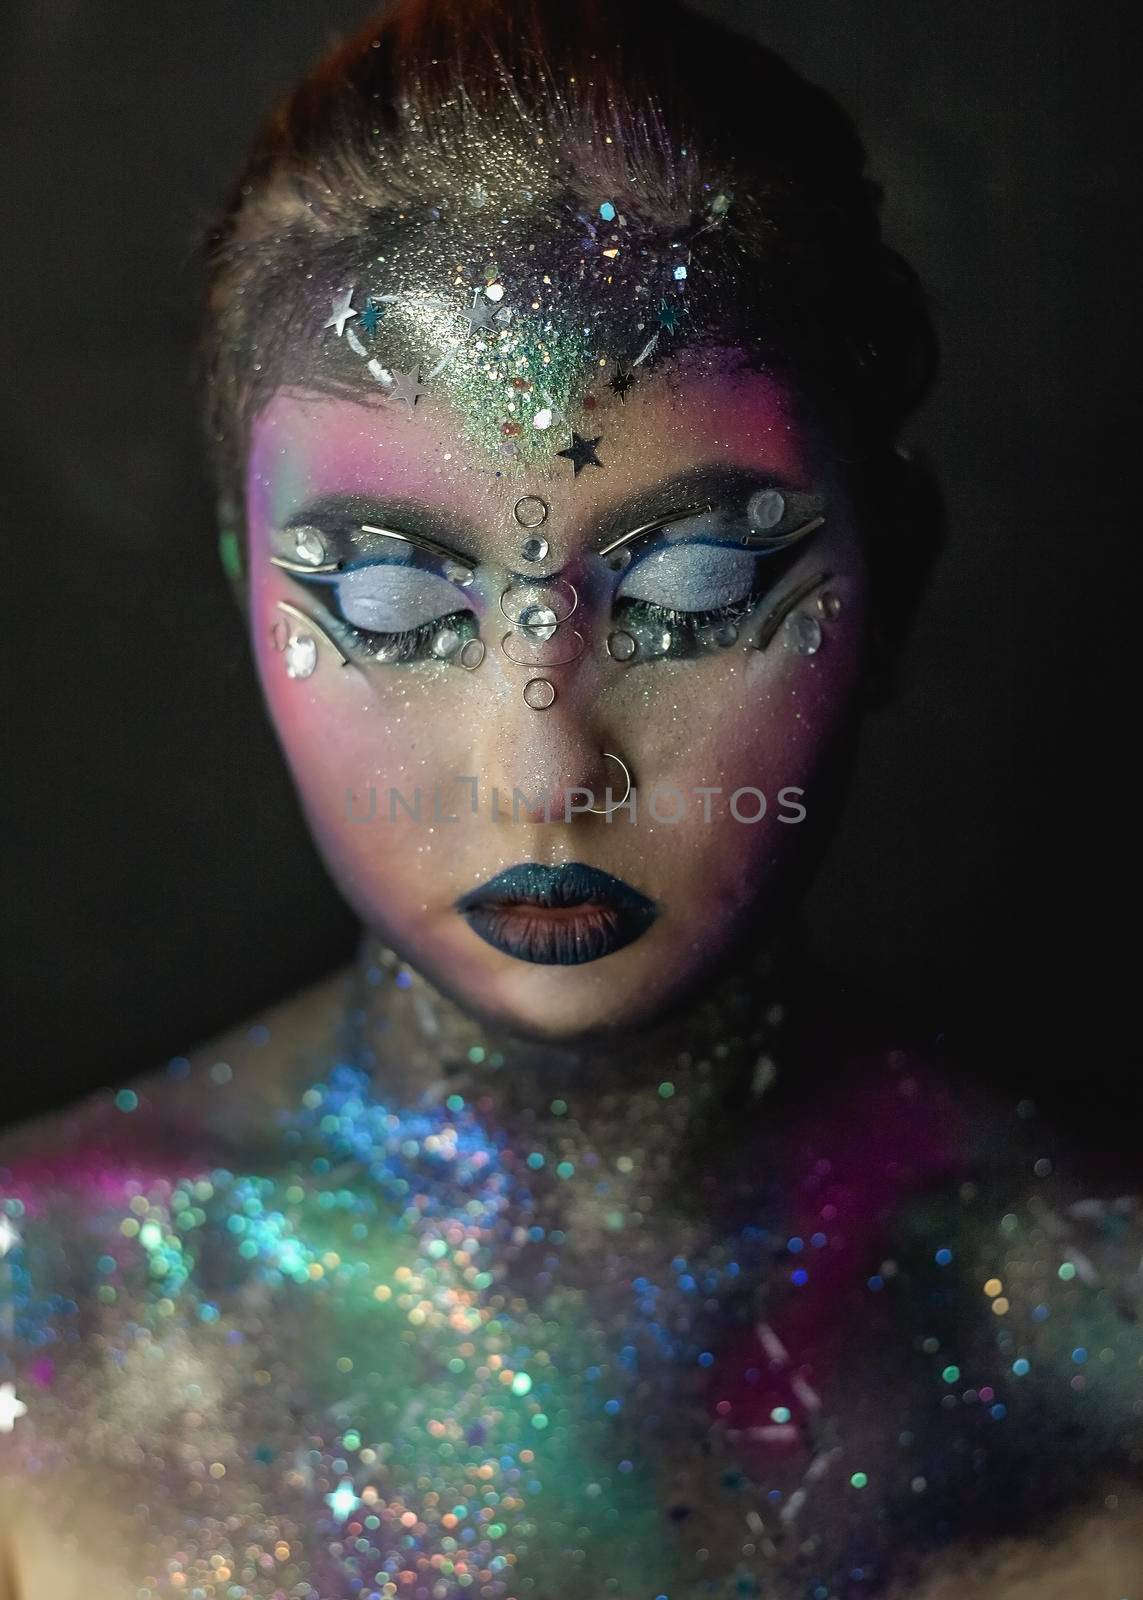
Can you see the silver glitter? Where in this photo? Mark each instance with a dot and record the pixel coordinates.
(301, 655)
(621, 646)
(539, 693)
(804, 633)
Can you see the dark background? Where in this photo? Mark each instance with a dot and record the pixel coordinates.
(159, 883)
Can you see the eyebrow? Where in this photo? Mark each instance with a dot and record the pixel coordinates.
(408, 521)
(688, 493)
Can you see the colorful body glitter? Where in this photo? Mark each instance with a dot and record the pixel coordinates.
(466, 1342)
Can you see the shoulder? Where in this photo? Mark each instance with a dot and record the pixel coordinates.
(187, 1111)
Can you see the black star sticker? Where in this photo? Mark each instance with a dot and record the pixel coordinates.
(621, 380)
(581, 452)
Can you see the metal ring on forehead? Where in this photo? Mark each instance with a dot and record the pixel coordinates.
(605, 811)
(557, 661)
(540, 583)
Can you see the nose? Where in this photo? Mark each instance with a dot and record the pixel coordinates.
(547, 757)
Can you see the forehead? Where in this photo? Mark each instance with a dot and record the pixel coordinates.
(305, 445)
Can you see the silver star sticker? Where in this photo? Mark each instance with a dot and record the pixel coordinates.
(341, 311)
(407, 386)
(481, 314)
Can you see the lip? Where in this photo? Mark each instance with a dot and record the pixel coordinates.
(557, 916)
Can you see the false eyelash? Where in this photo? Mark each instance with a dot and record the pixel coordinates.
(413, 644)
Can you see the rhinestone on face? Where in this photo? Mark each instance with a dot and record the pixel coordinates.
(765, 510)
(621, 646)
(446, 643)
(309, 546)
(300, 655)
(534, 550)
(724, 635)
(619, 560)
(455, 573)
(539, 693)
(537, 621)
(530, 511)
(829, 606)
(472, 654)
(804, 633)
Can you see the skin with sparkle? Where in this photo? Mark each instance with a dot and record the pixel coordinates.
(723, 720)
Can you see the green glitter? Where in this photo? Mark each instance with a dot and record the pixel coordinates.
(859, 1480)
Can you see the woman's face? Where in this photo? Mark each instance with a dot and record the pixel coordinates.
(460, 712)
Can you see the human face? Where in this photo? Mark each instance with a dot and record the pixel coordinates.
(706, 715)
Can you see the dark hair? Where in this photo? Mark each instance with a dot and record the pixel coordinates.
(648, 100)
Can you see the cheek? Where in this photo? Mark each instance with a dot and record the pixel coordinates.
(749, 725)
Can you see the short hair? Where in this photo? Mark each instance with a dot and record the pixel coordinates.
(647, 101)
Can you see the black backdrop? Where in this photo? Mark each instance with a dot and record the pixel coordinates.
(159, 883)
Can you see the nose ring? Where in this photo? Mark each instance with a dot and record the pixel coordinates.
(605, 811)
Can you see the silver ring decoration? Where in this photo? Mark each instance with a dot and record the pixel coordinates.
(778, 614)
(530, 511)
(539, 584)
(543, 661)
(311, 622)
(605, 811)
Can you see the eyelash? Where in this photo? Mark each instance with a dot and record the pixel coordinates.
(412, 644)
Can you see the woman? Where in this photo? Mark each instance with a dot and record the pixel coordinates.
(574, 1242)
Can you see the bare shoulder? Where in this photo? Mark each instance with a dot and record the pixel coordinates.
(259, 1064)
(1093, 1555)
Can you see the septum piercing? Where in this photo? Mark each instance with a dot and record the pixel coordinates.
(605, 811)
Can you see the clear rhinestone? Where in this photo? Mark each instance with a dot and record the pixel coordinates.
(829, 606)
(765, 510)
(537, 621)
(310, 546)
(804, 633)
(539, 693)
(534, 550)
(619, 560)
(621, 646)
(724, 635)
(301, 655)
(446, 643)
(456, 573)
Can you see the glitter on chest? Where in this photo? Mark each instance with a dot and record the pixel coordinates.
(418, 1358)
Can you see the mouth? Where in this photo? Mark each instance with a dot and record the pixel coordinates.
(557, 916)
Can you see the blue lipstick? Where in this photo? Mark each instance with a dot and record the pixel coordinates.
(557, 916)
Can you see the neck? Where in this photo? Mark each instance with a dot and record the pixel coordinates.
(422, 1047)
